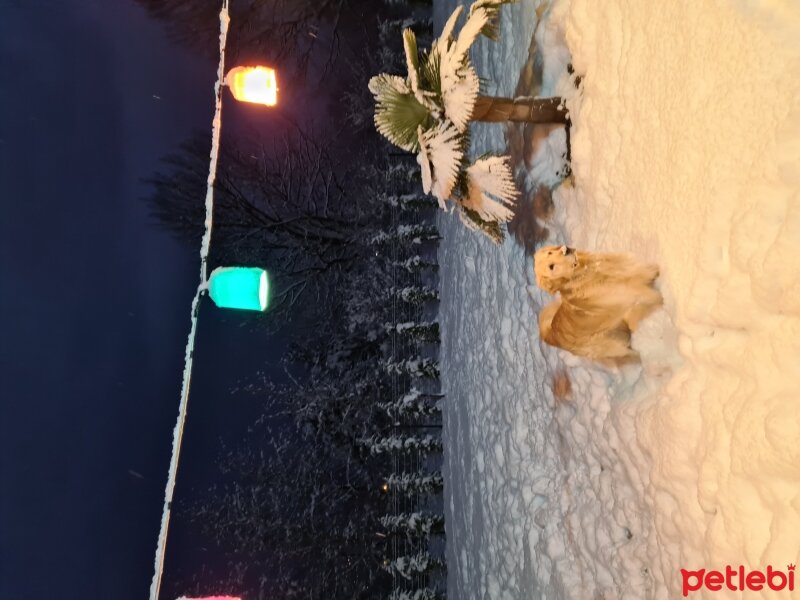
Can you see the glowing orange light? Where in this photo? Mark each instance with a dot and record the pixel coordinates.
(253, 84)
(385, 487)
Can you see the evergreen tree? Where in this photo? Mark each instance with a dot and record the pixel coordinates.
(415, 367)
(404, 173)
(303, 511)
(422, 332)
(402, 443)
(416, 263)
(415, 294)
(420, 594)
(420, 483)
(422, 26)
(413, 525)
(414, 404)
(414, 564)
(409, 202)
(407, 234)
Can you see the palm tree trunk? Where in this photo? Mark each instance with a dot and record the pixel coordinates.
(523, 109)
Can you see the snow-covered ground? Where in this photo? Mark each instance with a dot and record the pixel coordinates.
(686, 152)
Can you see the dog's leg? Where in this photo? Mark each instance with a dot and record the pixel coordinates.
(617, 362)
(651, 273)
(648, 299)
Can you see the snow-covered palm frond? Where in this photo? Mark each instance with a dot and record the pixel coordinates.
(398, 113)
(476, 21)
(444, 147)
(424, 161)
(379, 83)
(425, 97)
(429, 72)
(471, 220)
(492, 8)
(459, 82)
(491, 189)
(460, 87)
(412, 58)
(443, 42)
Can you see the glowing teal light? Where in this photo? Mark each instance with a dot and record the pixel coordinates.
(246, 288)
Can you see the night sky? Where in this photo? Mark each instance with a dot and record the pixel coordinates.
(95, 303)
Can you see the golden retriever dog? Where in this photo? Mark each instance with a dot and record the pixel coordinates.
(603, 297)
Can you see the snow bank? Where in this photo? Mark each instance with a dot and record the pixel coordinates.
(686, 152)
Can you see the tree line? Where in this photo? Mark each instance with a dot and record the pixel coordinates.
(334, 482)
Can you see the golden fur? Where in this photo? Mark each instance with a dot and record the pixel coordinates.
(603, 297)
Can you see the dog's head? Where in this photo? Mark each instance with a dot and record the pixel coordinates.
(554, 266)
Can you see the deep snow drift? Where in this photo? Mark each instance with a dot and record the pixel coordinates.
(686, 152)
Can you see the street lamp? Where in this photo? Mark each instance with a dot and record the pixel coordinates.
(245, 288)
(258, 85)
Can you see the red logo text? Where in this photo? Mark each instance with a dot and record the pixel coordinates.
(738, 579)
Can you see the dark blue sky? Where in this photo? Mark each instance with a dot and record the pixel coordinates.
(95, 300)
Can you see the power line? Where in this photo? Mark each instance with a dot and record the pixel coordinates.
(177, 434)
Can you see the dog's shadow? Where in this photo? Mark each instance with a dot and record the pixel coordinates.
(526, 226)
(535, 206)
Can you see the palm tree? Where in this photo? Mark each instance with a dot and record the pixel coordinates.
(429, 113)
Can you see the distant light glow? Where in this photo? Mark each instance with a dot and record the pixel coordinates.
(253, 84)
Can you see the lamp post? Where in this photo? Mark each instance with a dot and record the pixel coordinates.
(243, 288)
